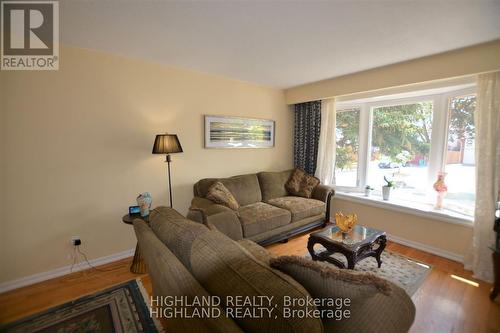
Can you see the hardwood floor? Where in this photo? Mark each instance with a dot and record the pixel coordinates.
(28, 300)
(444, 304)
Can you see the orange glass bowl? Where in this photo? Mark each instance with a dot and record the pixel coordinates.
(345, 222)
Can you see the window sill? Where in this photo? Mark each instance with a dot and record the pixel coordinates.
(416, 209)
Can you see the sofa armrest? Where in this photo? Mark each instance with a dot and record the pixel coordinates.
(221, 217)
(208, 206)
(375, 304)
(322, 192)
(256, 250)
(325, 194)
(228, 223)
(170, 278)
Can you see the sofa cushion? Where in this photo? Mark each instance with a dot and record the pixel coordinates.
(227, 270)
(245, 188)
(272, 184)
(300, 208)
(175, 231)
(301, 184)
(259, 217)
(376, 305)
(218, 193)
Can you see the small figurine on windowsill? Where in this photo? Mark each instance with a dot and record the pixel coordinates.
(441, 189)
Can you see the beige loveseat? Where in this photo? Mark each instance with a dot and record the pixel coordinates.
(267, 213)
(190, 265)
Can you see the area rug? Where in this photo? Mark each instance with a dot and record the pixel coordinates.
(120, 309)
(407, 273)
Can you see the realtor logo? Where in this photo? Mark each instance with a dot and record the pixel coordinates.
(30, 35)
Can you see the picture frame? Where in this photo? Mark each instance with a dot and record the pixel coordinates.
(238, 132)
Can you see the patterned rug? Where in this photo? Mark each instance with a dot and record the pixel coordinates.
(120, 309)
(407, 273)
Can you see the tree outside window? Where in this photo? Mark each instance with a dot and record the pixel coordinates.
(401, 142)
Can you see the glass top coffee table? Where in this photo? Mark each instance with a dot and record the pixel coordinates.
(360, 243)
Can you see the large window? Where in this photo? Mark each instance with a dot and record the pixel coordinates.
(409, 140)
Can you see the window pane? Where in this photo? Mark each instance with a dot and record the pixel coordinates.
(401, 141)
(460, 162)
(347, 137)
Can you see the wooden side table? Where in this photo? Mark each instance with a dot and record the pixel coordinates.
(138, 265)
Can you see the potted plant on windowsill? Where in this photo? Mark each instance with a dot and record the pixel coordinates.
(368, 190)
(386, 189)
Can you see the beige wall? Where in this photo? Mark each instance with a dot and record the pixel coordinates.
(467, 61)
(442, 235)
(76, 150)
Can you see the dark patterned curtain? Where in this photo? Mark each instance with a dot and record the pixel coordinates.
(306, 135)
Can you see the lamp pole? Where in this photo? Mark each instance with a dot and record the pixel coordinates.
(168, 159)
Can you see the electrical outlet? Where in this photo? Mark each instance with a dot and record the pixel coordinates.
(75, 241)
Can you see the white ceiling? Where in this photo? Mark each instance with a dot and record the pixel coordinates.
(278, 43)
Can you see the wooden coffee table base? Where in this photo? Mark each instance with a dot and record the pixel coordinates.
(352, 256)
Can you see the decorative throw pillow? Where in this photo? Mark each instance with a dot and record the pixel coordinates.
(301, 184)
(366, 294)
(218, 193)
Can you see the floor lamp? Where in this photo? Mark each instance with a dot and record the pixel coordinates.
(167, 144)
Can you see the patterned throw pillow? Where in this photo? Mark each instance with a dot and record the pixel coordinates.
(218, 193)
(301, 184)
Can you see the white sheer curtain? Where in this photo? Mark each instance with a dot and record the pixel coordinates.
(487, 122)
(325, 168)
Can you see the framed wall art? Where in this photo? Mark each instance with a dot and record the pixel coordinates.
(235, 132)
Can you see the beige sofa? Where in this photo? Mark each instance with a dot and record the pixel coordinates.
(267, 214)
(187, 261)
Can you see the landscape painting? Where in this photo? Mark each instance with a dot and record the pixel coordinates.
(233, 132)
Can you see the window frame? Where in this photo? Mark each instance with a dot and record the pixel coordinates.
(439, 134)
(449, 97)
(346, 108)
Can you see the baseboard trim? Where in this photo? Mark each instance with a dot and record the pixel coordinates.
(43, 276)
(39, 277)
(427, 248)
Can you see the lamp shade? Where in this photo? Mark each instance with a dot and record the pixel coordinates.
(167, 144)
